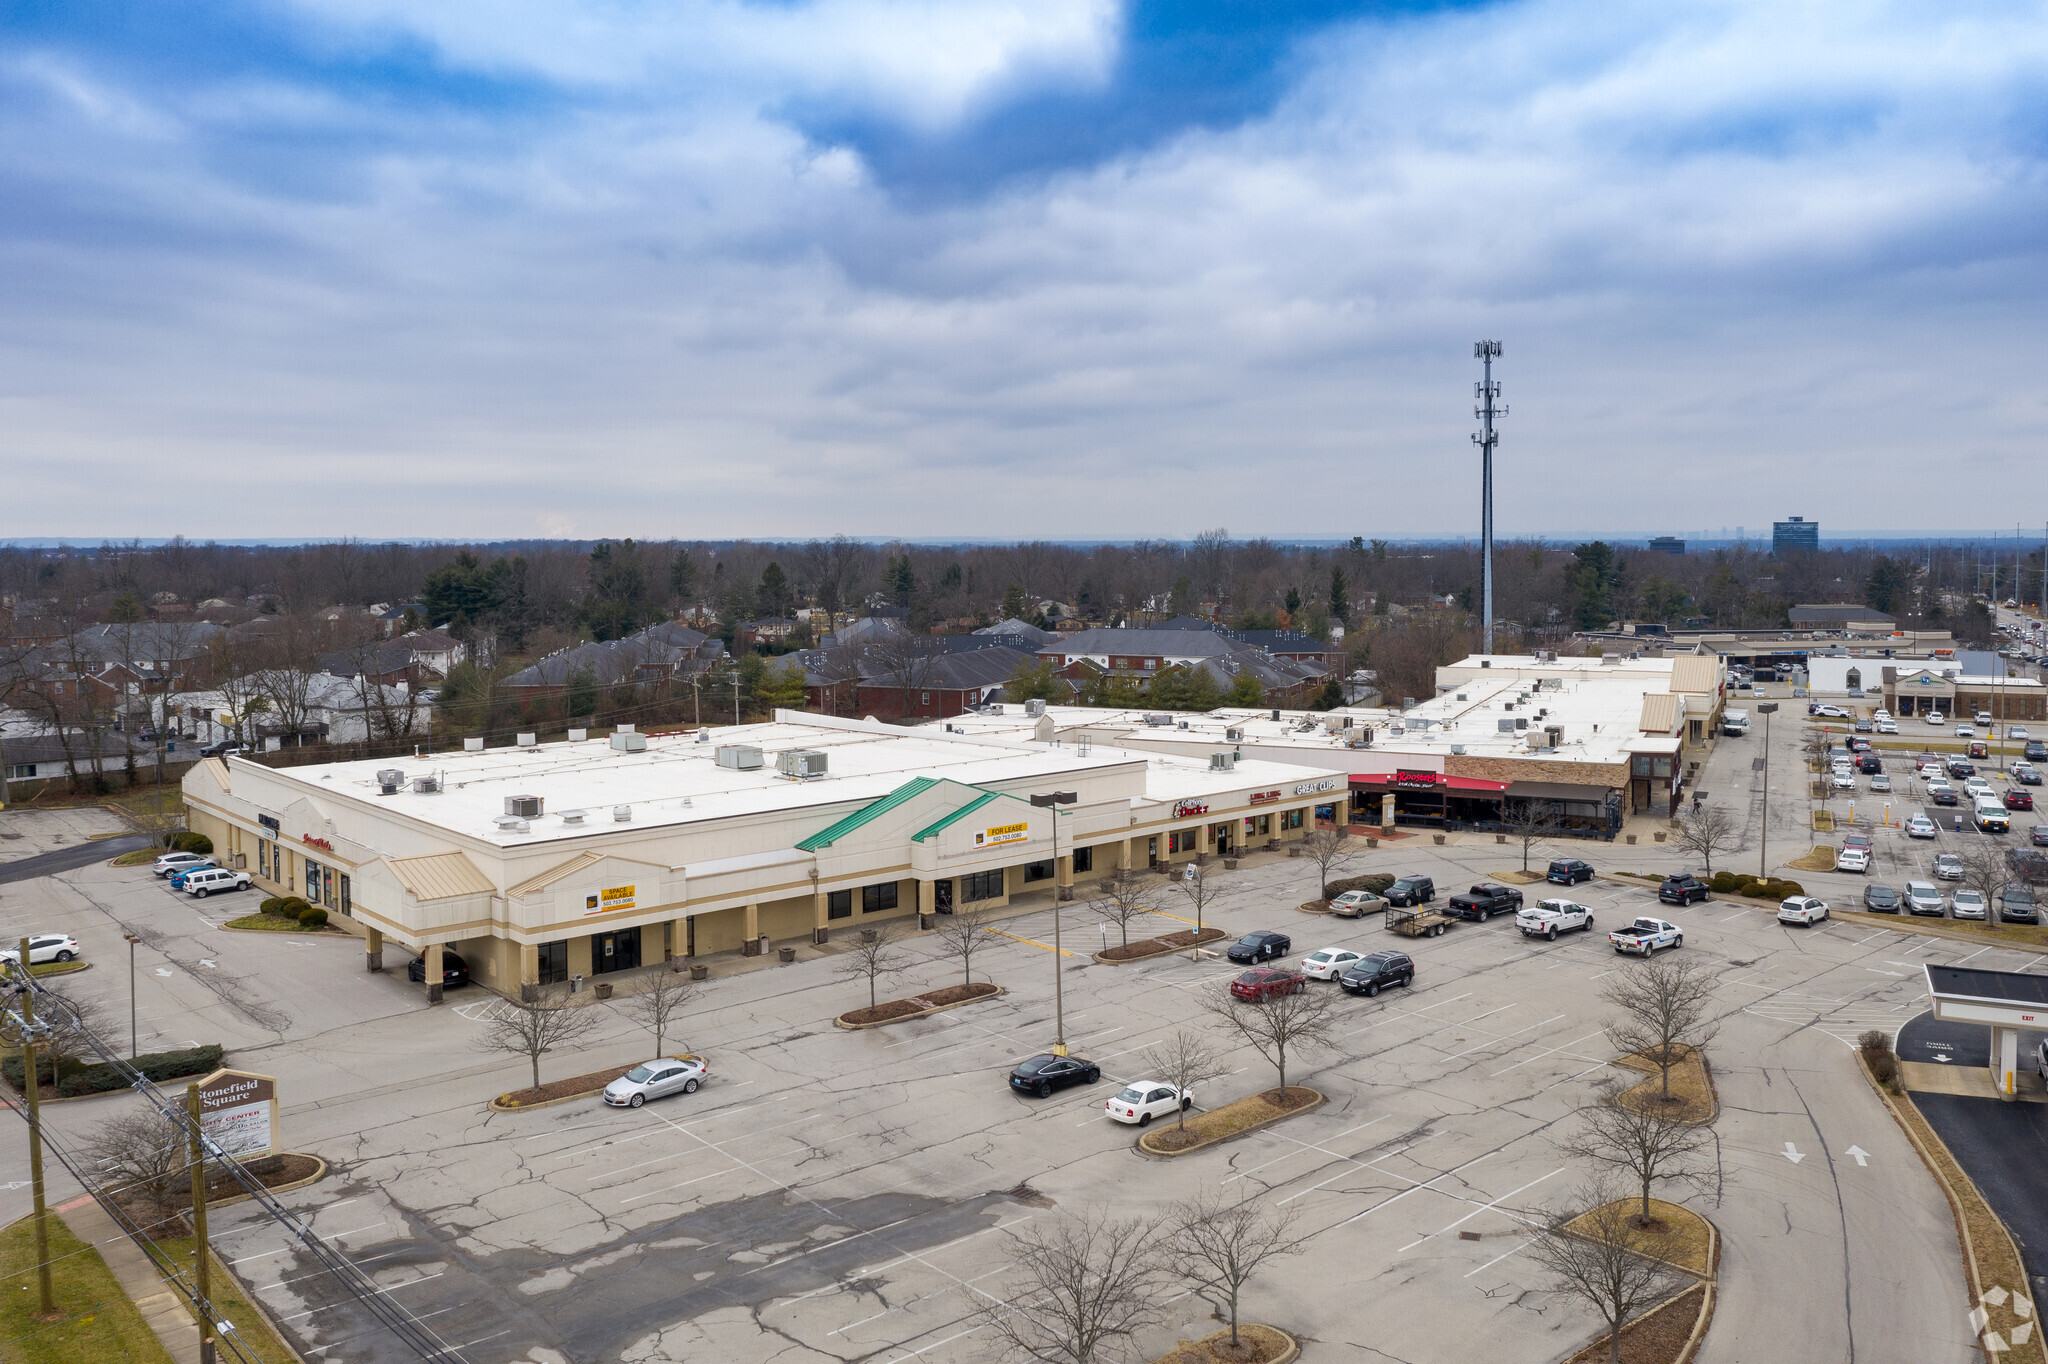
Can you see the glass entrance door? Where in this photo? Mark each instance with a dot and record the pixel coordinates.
(615, 951)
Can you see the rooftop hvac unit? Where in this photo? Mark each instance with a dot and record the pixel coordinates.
(524, 807)
(472, 745)
(1521, 722)
(801, 763)
(1457, 750)
(510, 824)
(1555, 733)
(528, 740)
(1034, 707)
(574, 816)
(426, 786)
(389, 779)
(1234, 735)
(1505, 726)
(622, 814)
(1275, 715)
(1158, 719)
(739, 757)
(626, 741)
(1461, 696)
(1347, 722)
(577, 736)
(626, 728)
(1183, 724)
(1222, 762)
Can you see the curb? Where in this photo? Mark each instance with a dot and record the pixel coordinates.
(322, 932)
(76, 967)
(296, 1184)
(497, 1107)
(1204, 941)
(840, 1021)
(1321, 1099)
(1287, 1356)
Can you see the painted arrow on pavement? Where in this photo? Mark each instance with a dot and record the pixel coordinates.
(1858, 1154)
(1792, 1153)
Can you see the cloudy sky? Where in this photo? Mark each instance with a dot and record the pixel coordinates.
(1016, 268)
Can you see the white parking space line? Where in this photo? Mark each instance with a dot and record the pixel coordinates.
(1482, 1208)
(1414, 1187)
(1292, 1154)
(684, 1185)
(1492, 1041)
(1549, 1051)
(1505, 1255)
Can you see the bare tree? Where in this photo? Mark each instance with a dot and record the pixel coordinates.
(1081, 1289)
(1646, 1142)
(1330, 849)
(1184, 1060)
(1278, 1024)
(1127, 895)
(660, 1006)
(1218, 1245)
(962, 934)
(1596, 1253)
(140, 1155)
(535, 1028)
(1665, 1006)
(1705, 830)
(871, 958)
(1201, 890)
(1530, 821)
(1987, 871)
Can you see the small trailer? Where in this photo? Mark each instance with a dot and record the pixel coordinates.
(1417, 923)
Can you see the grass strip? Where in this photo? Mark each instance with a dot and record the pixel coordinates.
(252, 1329)
(97, 1324)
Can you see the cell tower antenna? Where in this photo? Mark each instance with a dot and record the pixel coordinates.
(1488, 393)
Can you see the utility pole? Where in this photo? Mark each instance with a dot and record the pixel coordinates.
(132, 940)
(199, 1245)
(1763, 855)
(1488, 393)
(1053, 800)
(33, 1090)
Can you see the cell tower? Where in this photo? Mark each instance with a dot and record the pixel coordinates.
(1488, 393)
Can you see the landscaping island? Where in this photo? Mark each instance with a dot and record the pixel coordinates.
(1231, 1120)
(917, 1006)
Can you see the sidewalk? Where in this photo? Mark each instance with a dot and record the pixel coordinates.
(162, 1307)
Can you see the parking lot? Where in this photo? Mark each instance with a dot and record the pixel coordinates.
(837, 1195)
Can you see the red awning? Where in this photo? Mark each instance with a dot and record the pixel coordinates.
(1441, 783)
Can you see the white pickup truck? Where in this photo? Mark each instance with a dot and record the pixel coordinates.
(1552, 917)
(1645, 936)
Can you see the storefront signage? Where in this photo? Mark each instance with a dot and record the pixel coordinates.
(268, 821)
(609, 899)
(238, 1113)
(1264, 797)
(313, 842)
(1409, 777)
(1310, 788)
(1183, 808)
(1002, 833)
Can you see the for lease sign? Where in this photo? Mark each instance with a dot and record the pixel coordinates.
(611, 898)
(1002, 833)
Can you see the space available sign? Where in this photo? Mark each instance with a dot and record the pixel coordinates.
(238, 1113)
(1002, 833)
(611, 898)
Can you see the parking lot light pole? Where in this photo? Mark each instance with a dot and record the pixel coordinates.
(1766, 709)
(1052, 800)
(132, 940)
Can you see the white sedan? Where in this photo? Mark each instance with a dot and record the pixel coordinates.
(1920, 826)
(1880, 782)
(1968, 904)
(653, 1079)
(2016, 732)
(1329, 963)
(1880, 714)
(1935, 717)
(1843, 781)
(1887, 726)
(1965, 732)
(1802, 909)
(1143, 1100)
(1853, 859)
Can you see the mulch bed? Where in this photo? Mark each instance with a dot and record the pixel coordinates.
(1654, 1339)
(924, 1003)
(1232, 1119)
(1258, 1345)
(1693, 1099)
(1155, 947)
(272, 1173)
(576, 1086)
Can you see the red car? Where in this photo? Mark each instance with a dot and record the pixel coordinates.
(2016, 799)
(1263, 982)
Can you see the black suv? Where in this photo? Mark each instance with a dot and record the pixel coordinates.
(1411, 890)
(1260, 946)
(2037, 752)
(454, 970)
(2016, 906)
(1376, 970)
(1682, 889)
(1041, 1075)
(1870, 762)
(1569, 871)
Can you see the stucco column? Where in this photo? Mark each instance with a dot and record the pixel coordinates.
(1124, 855)
(820, 922)
(1063, 877)
(529, 971)
(752, 946)
(373, 949)
(927, 903)
(433, 956)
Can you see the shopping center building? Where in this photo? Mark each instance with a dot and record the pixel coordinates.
(544, 861)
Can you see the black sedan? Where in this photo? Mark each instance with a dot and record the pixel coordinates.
(1261, 946)
(1041, 1075)
(454, 970)
(1880, 899)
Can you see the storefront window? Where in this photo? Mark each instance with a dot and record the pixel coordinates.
(839, 904)
(327, 886)
(1661, 767)
(554, 962)
(874, 899)
(313, 881)
(347, 904)
(1038, 871)
(1290, 819)
(1640, 765)
(981, 885)
(1084, 859)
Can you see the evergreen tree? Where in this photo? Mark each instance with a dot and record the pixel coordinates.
(682, 576)
(457, 594)
(1169, 685)
(902, 579)
(511, 614)
(1199, 691)
(1246, 690)
(1292, 601)
(1332, 695)
(1340, 596)
(615, 595)
(581, 696)
(1038, 681)
(1181, 601)
(783, 686)
(774, 599)
(1013, 602)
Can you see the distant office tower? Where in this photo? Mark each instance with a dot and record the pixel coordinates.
(1667, 544)
(1798, 535)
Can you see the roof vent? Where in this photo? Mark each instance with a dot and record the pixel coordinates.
(626, 741)
(1274, 716)
(1486, 663)
(528, 740)
(511, 824)
(577, 736)
(1461, 696)
(573, 816)
(472, 745)
(426, 786)
(622, 814)
(524, 807)
(739, 757)
(1183, 724)
(801, 763)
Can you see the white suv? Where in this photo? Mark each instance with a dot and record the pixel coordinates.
(1802, 909)
(199, 884)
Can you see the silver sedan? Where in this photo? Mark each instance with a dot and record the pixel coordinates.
(654, 1079)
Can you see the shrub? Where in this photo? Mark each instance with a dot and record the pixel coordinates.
(273, 905)
(1375, 884)
(74, 1077)
(313, 917)
(1874, 1042)
(193, 843)
(294, 906)
(1886, 1069)
(1725, 883)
